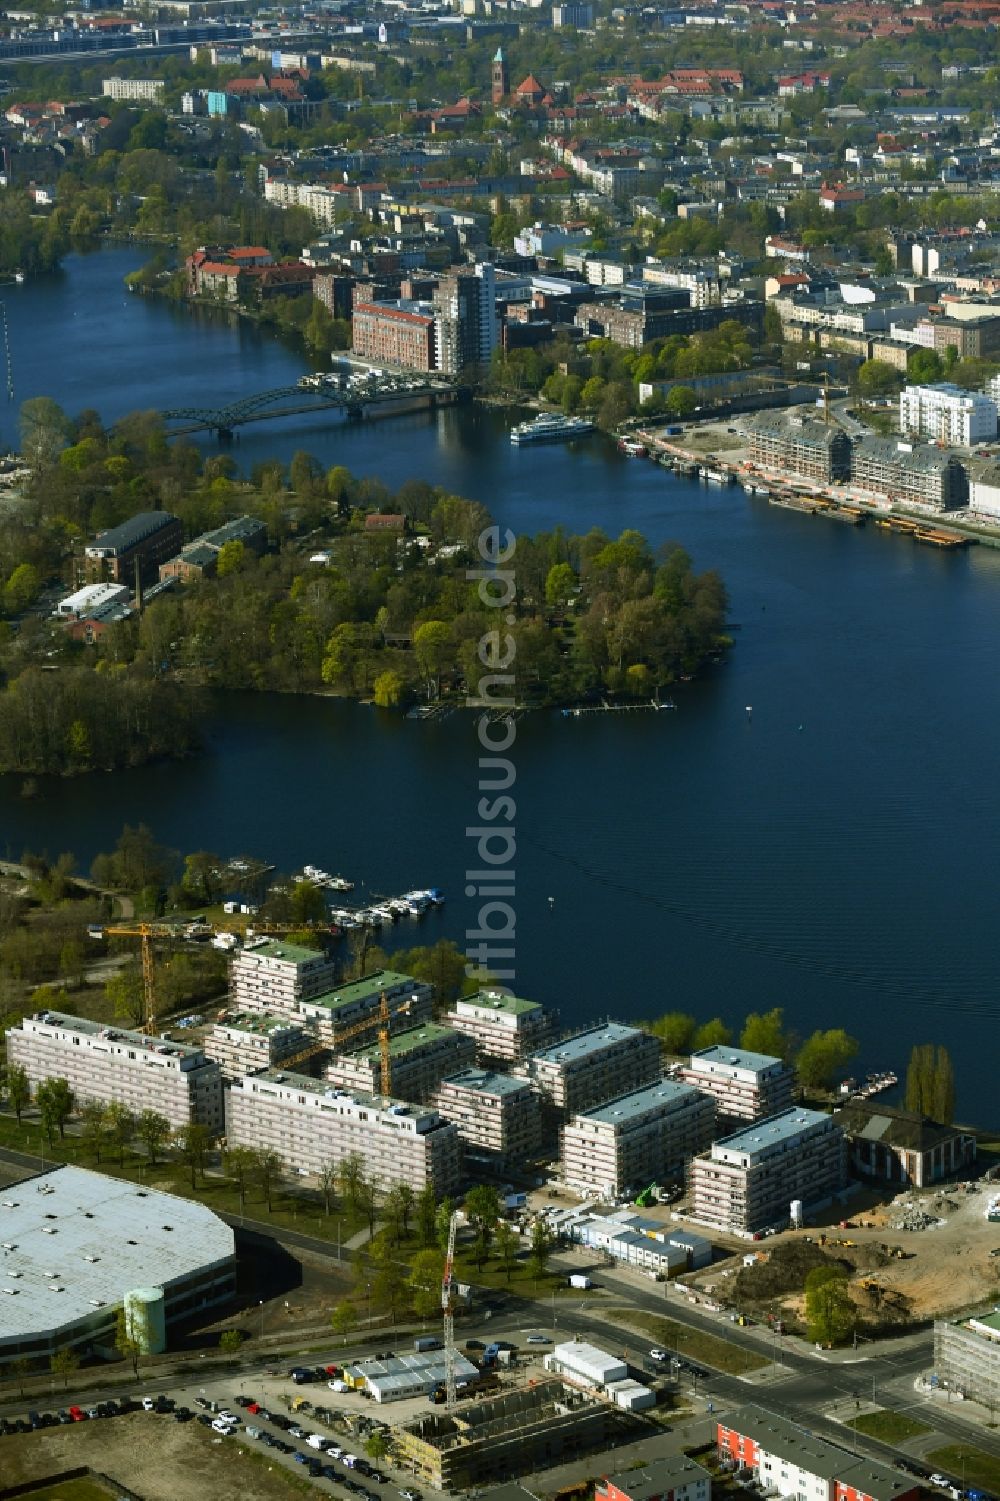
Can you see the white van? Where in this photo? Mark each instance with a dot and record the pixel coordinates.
(315, 1441)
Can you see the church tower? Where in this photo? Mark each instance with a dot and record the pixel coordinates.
(501, 78)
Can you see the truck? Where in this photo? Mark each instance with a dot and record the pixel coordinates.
(674, 431)
(426, 1342)
(578, 1279)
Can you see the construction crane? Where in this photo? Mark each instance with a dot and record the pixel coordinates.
(449, 1315)
(383, 1018)
(145, 932)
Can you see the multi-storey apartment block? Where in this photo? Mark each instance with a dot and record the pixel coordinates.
(799, 445)
(751, 1179)
(793, 1464)
(504, 1027)
(642, 1137)
(310, 1124)
(251, 1043)
(948, 414)
(910, 472)
(275, 976)
(593, 1066)
(110, 1064)
(498, 1117)
(333, 1012)
(418, 1059)
(745, 1086)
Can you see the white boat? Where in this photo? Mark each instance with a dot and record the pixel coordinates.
(550, 427)
(19, 277)
(716, 476)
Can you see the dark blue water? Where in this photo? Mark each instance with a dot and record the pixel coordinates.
(832, 854)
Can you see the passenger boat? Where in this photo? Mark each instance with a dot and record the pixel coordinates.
(550, 427)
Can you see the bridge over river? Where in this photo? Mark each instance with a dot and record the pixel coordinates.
(357, 399)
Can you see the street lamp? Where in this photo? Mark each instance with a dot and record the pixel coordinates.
(260, 1305)
(368, 1290)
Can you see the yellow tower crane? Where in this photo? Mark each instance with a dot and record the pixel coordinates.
(382, 1018)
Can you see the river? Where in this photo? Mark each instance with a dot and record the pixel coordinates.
(829, 854)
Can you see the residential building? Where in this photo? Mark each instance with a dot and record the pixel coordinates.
(275, 977)
(332, 1012)
(948, 414)
(110, 1064)
(142, 543)
(788, 1461)
(750, 1179)
(909, 472)
(200, 558)
(310, 1125)
(590, 1067)
(419, 1059)
(250, 1043)
(967, 1357)
(984, 491)
(745, 1086)
(971, 338)
(643, 1137)
(149, 90)
(573, 13)
(902, 1146)
(505, 1028)
(115, 1243)
(395, 333)
(793, 444)
(675, 1478)
(466, 327)
(633, 321)
(498, 1116)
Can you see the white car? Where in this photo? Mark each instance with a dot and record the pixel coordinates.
(350, 1460)
(147, 1404)
(335, 1451)
(658, 1355)
(336, 1385)
(221, 1426)
(538, 1339)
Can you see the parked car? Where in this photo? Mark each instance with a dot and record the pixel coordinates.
(77, 1414)
(538, 1339)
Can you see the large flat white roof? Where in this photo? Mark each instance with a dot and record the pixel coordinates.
(100, 1237)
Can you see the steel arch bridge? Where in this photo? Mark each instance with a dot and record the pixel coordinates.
(285, 400)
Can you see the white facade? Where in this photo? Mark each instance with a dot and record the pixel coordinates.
(150, 89)
(947, 414)
(586, 1364)
(275, 977)
(984, 493)
(92, 601)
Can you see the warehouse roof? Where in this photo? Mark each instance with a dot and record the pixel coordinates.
(74, 1241)
(136, 529)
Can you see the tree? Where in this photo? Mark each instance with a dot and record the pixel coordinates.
(426, 1214)
(398, 1208)
(507, 1247)
(433, 651)
(192, 1143)
(482, 1207)
(376, 1445)
(128, 1338)
(342, 1319)
(388, 689)
(560, 585)
(45, 430)
(877, 378)
(424, 1282)
(19, 1368)
(55, 1102)
(240, 1163)
(18, 1088)
(231, 558)
(712, 1034)
(328, 1177)
(681, 402)
(541, 1248)
(765, 1033)
(21, 588)
(63, 1363)
(125, 994)
(230, 1341)
(352, 1178)
(831, 1316)
(152, 1130)
(824, 1057)
(93, 1127)
(675, 1029)
(267, 1166)
(120, 1124)
(923, 367)
(930, 1083)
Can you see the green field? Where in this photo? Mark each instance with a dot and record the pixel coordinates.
(694, 1344)
(974, 1467)
(71, 1490)
(890, 1427)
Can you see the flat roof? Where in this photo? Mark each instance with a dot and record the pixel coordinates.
(657, 1477)
(262, 1025)
(775, 1128)
(88, 1028)
(368, 985)
(639, 1102)
(486, 1081)
(335, 1094)
(99, 1237)
(402, 1043)
(498, 1000)
(280, 948)
(583, 1043)
(736, 1058)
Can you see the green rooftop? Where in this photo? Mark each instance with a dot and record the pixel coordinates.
(408, 1042)
(496, 1000)
(279, 948)
(388, 980)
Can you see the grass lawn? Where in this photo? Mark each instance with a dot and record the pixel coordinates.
(978, 1469)
(890, 1427)
(693, 1344)
(71, 1490)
